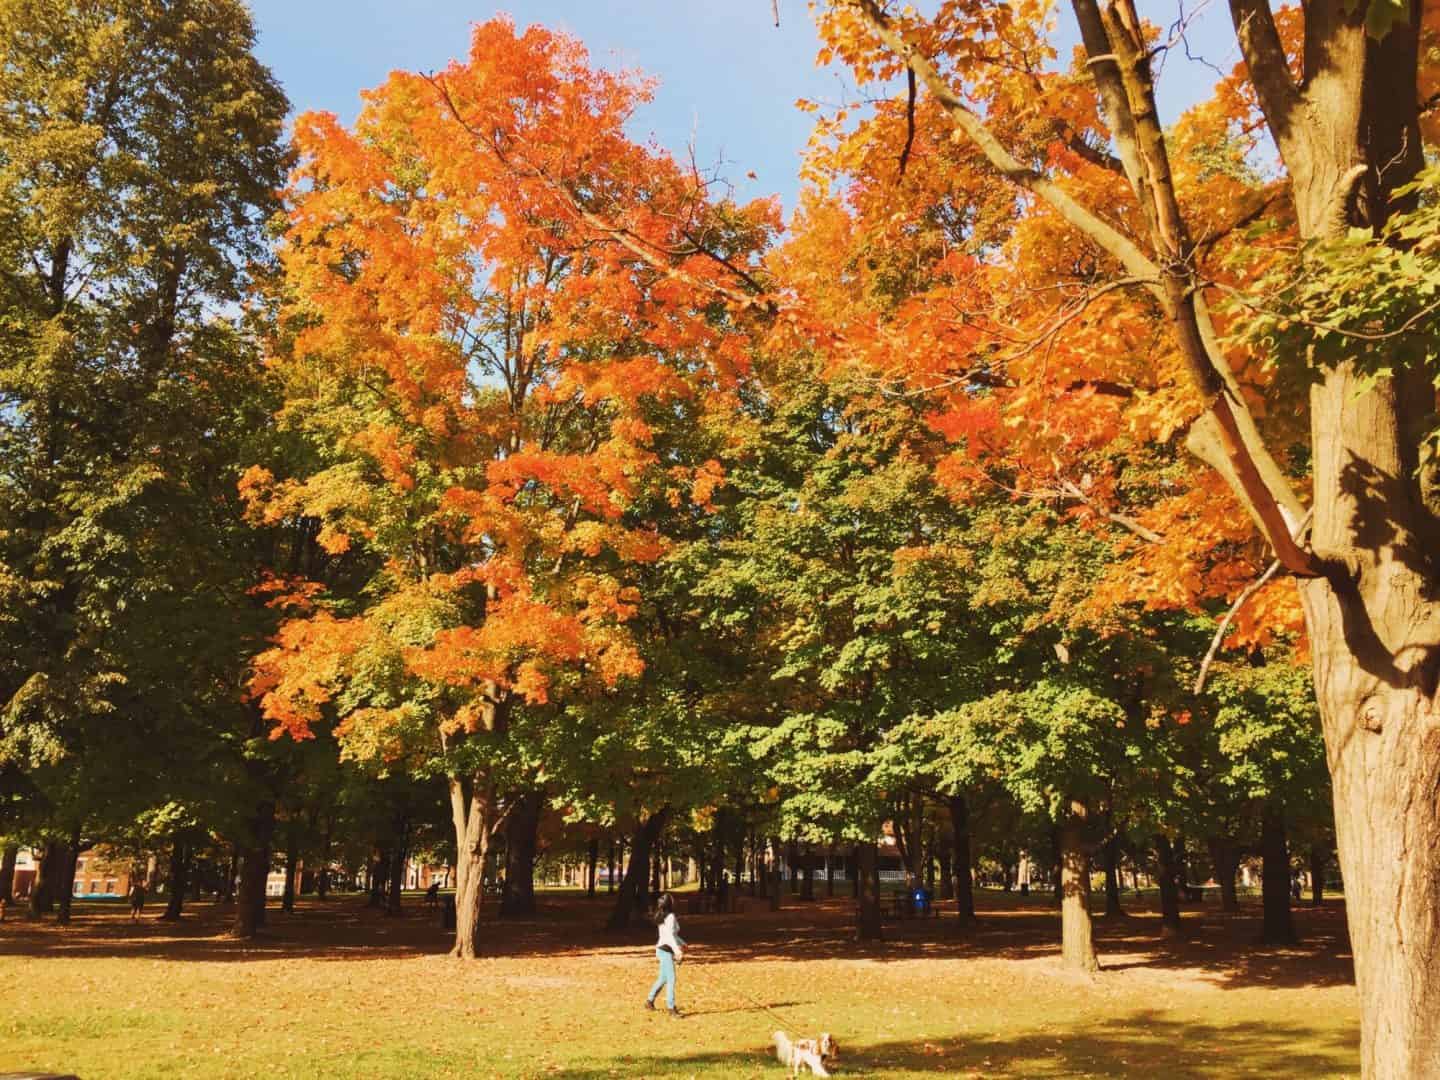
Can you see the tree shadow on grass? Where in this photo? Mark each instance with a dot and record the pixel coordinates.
(1134, 1045)
(1221, 948)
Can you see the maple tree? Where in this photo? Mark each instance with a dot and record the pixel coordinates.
(495, 302)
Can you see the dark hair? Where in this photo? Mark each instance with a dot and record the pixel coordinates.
(664, 906)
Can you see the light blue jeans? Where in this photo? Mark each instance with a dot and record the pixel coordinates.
(666, 979)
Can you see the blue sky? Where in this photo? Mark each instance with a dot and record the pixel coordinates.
(728, 76)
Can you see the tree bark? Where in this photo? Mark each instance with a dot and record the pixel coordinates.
(807, 884)
(1167, 878)
(180, 858)
(7, 872)
(964, 880)
(474, 814)
(522, 829)
(1113, 908)
(592, 866)
(631, 894)
(1224, 861)
(254, 869)
(867, 875)
(1077, 942)
(379, 876)
(65, 885)
(792, 865)
(42, 891)
(947, 862)
(395, 886)
(830, 872)
(776, 890)
(1277, 925)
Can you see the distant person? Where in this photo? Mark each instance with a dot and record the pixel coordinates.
(432, 894)
(670, 951)
(137, 899)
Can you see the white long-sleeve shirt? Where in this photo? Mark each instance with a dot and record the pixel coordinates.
(670, 936)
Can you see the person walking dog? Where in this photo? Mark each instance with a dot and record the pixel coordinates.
(669, 950)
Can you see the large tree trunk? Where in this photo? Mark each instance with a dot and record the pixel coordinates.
(867, 874)
(379, 875)
(1225, 862)
(7, 872)
(592, 865)
(1372, 613)
(1168, 878)
(522, 831)
(1112, 878)
(395, 886)
(631, 895)
(964, 881)
(65, 885)
(1277, 926)
(807, 886)
(1077, 943)
(254, 869)
(474, 813)
(180, 858)
(47, 873)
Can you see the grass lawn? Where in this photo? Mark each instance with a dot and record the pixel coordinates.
(337, 991)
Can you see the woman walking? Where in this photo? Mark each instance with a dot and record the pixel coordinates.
(669, 950)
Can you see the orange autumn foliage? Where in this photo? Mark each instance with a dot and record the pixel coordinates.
(495, 301)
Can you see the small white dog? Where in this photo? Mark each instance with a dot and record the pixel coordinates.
(814, 1054)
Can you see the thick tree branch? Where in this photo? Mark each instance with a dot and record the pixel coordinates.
(1111, 88)
(1280, 98)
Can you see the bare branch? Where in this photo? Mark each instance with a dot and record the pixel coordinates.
(909, 119)
(1245, 594)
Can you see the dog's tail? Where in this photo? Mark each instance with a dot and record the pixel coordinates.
(782, 1047)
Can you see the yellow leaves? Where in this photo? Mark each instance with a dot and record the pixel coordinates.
(332, 540)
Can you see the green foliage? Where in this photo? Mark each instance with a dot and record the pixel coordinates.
(1372, 301)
